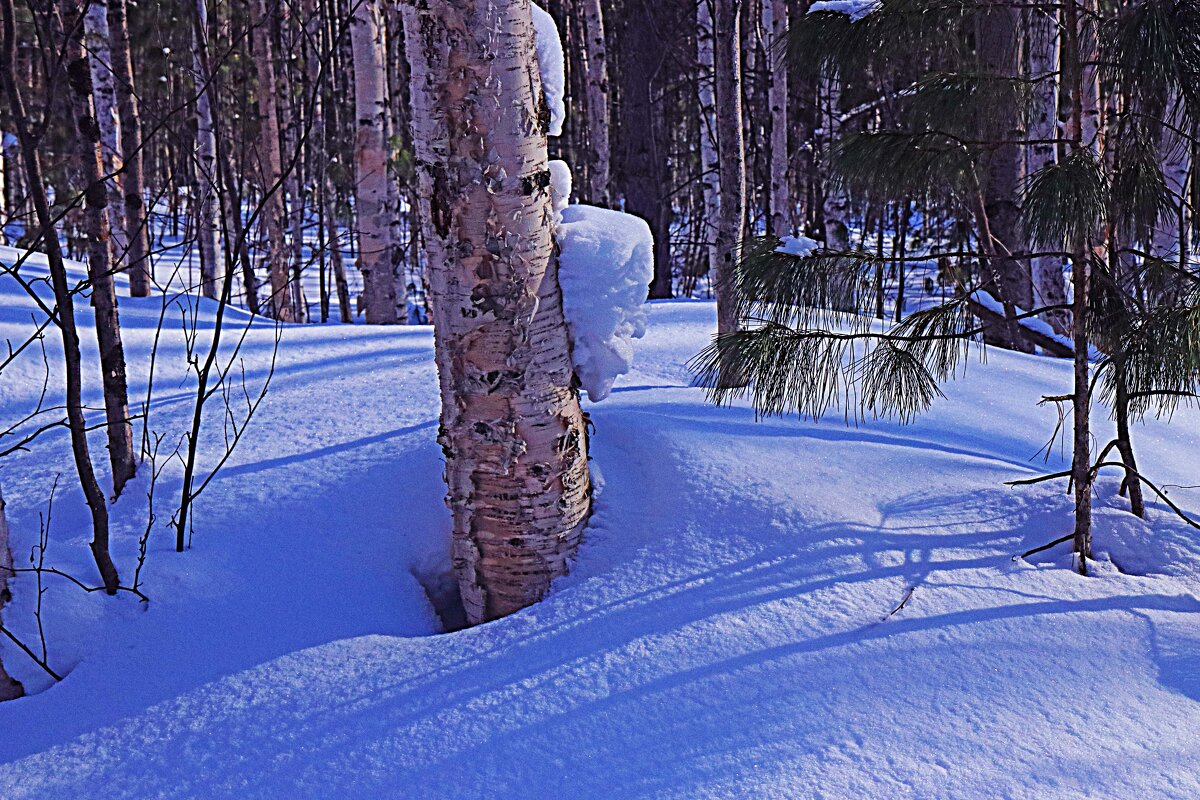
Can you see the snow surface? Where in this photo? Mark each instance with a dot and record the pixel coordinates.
(552, 67)
(854, 9)
(606, 262)
(725, 632)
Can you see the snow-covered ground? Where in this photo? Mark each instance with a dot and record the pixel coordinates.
(725, 632)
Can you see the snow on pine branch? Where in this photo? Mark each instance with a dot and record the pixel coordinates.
(854, 9)
(606, 261)
(551, 66)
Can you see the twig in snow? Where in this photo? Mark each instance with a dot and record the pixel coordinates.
(903, 602)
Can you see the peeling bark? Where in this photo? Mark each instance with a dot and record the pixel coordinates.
(511, 427)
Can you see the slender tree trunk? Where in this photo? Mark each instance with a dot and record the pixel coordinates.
(64, 304)
(138, 264)
(731, 145)
(90, 160)
(1075, 75)
(599, 157)
(207, 241)
(270, 158)
(96, 39)
(775, 14)
(374, 201)
(1049, 288)
(1133, 484)
(10, 689)
(711, 165)
(512, 429)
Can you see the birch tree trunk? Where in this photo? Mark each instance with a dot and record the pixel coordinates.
(96, 39)
(1049, 288)
(511, 427)
(835, 207)
(270, 159)
(731, 145)
(137, 232)
(378, 254)
(775, 22)
(207, 175)
(90, 173)
(9, 689)
(596, 47)
(711, 178)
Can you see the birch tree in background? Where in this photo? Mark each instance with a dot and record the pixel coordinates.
(207, 175)
(138, 264)
(96, 39)
(270, 163)
(710, 166)
(775, 22)
(374, 198)
(511, 427)
(598, 117)
(1042, 36)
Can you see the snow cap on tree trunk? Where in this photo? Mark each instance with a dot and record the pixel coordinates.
(551, 67)
(606, 262)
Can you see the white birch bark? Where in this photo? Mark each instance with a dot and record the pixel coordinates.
(711, 178)
(374, 199)
(207, 225)
(96, 40)
(511, 427)
(1049, 286)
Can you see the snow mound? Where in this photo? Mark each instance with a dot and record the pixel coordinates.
(854, 9)
(606, 262)
(560, 185)
(550, 64)
(799, 246)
